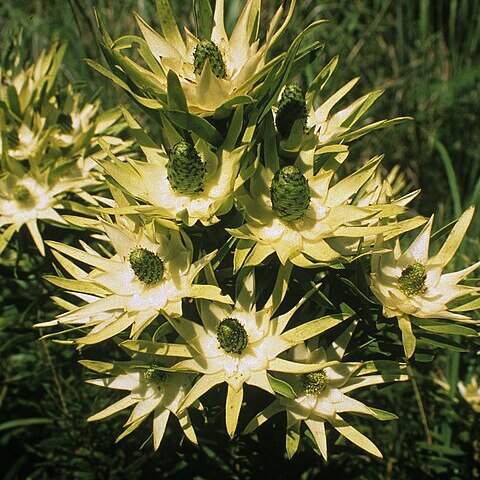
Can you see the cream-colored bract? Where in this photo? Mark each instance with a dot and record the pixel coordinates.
(431, 301)
(333, 220)
(147, 398)
(43, 199)
(148, 180)
(471, 393)
(326, 406)
(115, 298)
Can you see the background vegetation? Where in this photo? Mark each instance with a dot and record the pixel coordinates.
(425, 54)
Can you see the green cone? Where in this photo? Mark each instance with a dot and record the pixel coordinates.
(207, 49)
(292, 106)
(232, 336)
(185, 170)
(147, 266)
(155, 377)
(22, 194)
(314, 383)
(412, 280)
(289, 193)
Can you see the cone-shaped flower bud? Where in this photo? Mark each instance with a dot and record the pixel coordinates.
(147, 266)
(207, 49)
(292, 107)
(314, 382)
(65, 122)
(289, 193)
(185, 170)
(22, 194)
(232, 336)
(155, 377)
(412, 280)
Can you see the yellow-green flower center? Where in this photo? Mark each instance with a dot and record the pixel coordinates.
(314, 383)
(22, 194)
(291, 107)
(147, 266)
(289, 193)
(207, 49)
(185, 170)
(412, 279)
(232, 336)
(155, 377)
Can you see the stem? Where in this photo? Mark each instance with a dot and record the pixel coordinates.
(421, 408)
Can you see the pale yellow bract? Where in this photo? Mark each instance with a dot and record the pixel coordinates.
(115, 298)
(160, 401)
(439, 289)
(325, 407)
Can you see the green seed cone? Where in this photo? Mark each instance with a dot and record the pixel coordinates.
(292, 106)
(412, 280)
(22, 194)
(185, 170)
(155, 377)
(314, 382)
(289, 193)
(147, 266)
(207, 49)
(232, 336)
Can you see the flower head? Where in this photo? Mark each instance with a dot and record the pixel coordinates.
(189, 182)
(150, 272)
(152, 391)
(304, 217)
(321, 397)
(412, 286)
(215, 70)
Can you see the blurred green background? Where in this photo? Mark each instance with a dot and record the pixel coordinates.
(425, 54)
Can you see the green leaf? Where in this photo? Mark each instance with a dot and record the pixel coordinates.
(466, 307)
(442, 342)
(292, 439)
(281, 387)
(203, 18)
(24, 422)
(437, 326)
(175, 94)
(312, 328)
(198, 125)
(382, 414)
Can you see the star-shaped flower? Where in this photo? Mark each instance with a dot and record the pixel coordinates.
(412, 286)
(190, 182)
(151, 272)
(321, 396)
(214, 71)
(152, 391)
(299, 215)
